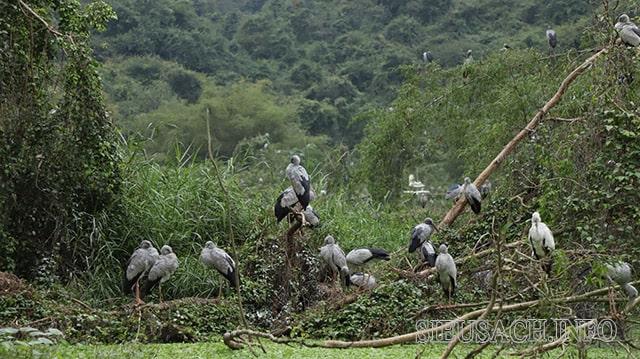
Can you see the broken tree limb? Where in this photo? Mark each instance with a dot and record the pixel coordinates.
(455, 211)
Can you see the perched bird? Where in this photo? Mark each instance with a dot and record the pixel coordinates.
(415, 184)
(138, 264)
(363, 280)
(300, 181)
(551, 39)
(359, 257)
(162, 269)
(427, 57)
(485, 189)
(469, 58)
(472, 195)
(421, 233)
(446, 272)
(335, 259)
(428, 253)
(620, 273)
(541, 240)
(627, 31)
(287, 200)
(212, 256)
(453, 192)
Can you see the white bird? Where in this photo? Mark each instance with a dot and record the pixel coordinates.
(359, 257)
(541, 240)
(287, 200)
(453, 192)
(427, 57)
(212, 256)
(138, 264)
(162, 269)
(446, 271)
(469, 58)
(485, 189)
(472, 195)
(420, 235)
(415, 184)
(300, 181)
(551, 39)
(363, 280)
(627, 31)
(620, 273)
(335, 259)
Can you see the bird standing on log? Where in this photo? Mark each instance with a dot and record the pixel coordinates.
(138, 264)
(161, 270)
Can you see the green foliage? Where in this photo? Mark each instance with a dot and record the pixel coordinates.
(56, 138)
(27, 341)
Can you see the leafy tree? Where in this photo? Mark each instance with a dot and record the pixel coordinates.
(60, 164)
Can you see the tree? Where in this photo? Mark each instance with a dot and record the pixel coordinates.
(60, 164)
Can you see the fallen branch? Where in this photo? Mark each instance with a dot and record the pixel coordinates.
(234, 339)
(451, 216)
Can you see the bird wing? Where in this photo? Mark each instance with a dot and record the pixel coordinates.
(417, 237)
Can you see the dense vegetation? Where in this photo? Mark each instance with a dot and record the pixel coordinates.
(79, 190)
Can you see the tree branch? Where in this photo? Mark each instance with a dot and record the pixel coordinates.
(451, 216)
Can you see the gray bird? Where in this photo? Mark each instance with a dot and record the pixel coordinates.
(427, 57)
(300, 181)
(212, 256)
(138, 264)
(363, 281)
(485, 189)
(288, 200)
(469, 58)
(359, 257)
(627, 31)
(161, 270)
(551, 39)
(472, 195)
(620, 273)
(421, 233)
(453, 192)
(446, 272)
(541, 240)
(428, 253)
(335, 259)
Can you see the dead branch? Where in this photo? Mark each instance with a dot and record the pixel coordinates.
(560, 119)
(451, 216)
(234, 339)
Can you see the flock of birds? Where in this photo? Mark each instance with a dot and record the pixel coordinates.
(296, 199)
(157, 268)
(627, 31)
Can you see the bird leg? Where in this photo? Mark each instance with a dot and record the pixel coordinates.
(138, 300)
(219, 288)
(160, 291)
(299, 211)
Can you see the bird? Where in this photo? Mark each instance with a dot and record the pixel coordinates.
(427, 57)
(541, 240)
(620, 273)
(415, 184)
(421, 233)
(446, 271)
(362, 280)
(472, 195)
(162, 269)
(469, 58)
(212, 256)
(428, 253)
(627, 31)
(505, 47)
(335, 259)
(485, 189)
(359, 257)
(300, 181)
(551, 39)
(453, 192)
(287, 200)
(138, 264)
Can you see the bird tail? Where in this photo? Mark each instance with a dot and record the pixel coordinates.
(231, 277)
(380, 254)
(475, 206)
(148, 286)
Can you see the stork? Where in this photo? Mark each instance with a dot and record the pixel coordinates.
(446, 272)
(627, 31)
(472, 195)
(541, 240)
(217, 258)
(420, 238)
(359, 257)
(161, 270)
(551, 39)
(335, 259)
(138, 264)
